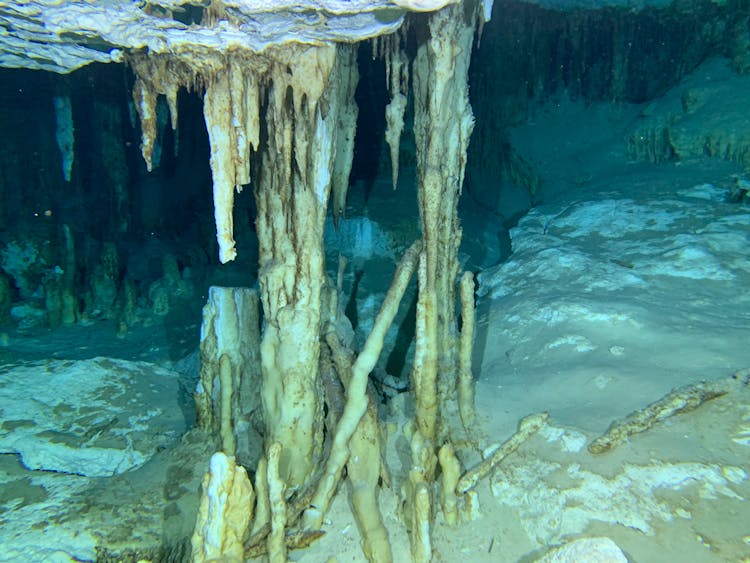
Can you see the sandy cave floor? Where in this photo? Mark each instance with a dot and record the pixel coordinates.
(618, 291)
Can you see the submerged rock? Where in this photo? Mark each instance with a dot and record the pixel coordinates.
(586, 550)
(96, 417)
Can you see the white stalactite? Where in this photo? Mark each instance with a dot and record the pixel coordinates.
(217, 109)
(346, 130)
(230, 108)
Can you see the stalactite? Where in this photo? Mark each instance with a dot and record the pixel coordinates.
(397, 82)
(217, 109)
(466, 343)
(155, 76)
(145, 97)
(64, 134)
(347, 126)
(231, 110)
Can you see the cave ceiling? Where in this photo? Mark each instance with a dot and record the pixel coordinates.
(61, 36)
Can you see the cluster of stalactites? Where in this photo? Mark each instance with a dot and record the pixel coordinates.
(231, 110)
(233, 84)
(155, 76)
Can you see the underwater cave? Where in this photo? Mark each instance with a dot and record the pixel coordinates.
(370, 280)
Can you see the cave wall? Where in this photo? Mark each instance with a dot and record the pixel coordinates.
(528, 55)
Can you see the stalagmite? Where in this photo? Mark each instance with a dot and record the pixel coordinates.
(451, 471)
(470, 506)
(226, 509)
(69, 303)
(226, 430)
(424, 371)
(262, 508)
(466, 341)
(227, 396)
(420, 525)
(277, 502)
(418, 498)
(363, 471)
(443, 122)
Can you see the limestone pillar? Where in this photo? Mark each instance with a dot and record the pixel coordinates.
(443, 122)
(291, 192)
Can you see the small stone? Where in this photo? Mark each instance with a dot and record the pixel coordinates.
(734, 474)
(682, 513)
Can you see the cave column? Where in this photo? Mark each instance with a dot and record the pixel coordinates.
(443, 125)
(443, 122)
(291, 192)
